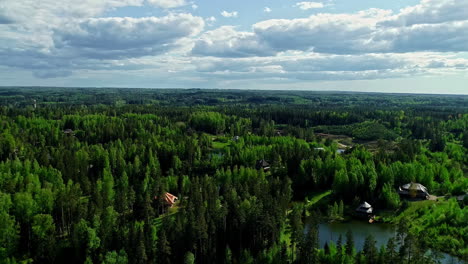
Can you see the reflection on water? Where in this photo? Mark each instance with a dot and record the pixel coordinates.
(361, 229)
(331, 231)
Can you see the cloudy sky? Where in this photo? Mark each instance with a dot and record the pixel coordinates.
(416, 46)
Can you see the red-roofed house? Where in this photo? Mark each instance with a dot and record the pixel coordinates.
(170, 199)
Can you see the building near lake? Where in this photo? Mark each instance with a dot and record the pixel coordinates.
(413, 190)
(365, 209)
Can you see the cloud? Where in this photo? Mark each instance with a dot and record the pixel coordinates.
(167, 3)
(368, 31)
(44, 74)
(5, 18)
(267, 9)
(309, 5)
(445, 37)
(47, 13)
(327, 33)
(229, 14)
(194, 6)
(118, 37)
(304, 62)
(430, 12)
(210, 20)
(54, 41)
(303, 66)
(227, 42)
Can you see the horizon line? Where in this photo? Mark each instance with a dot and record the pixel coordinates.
(227, 89)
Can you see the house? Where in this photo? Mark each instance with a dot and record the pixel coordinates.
(340, 151)
(262, 164)
(365, 209)
(169, 199)
(413, 190)
(236, 138)
(319, 149)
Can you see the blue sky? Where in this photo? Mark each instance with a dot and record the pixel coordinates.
(418, 46)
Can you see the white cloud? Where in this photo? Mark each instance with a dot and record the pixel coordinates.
(311, 66)
(267, 9)
(362, 32)
(309, 5)
(229, 14)
(46, 12)
(329, 33)
(127, 37)
(227, 42)
(194, 6)
(95, 43)
(167, 3)
(430, 12)
(54, 41)
(210, 20)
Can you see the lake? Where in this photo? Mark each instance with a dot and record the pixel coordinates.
(361, 229)
(331, 231)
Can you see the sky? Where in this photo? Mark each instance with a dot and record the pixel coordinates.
(404, 46)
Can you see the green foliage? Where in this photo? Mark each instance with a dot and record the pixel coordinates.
(210, 122)
(9, 235)
(390, 197)
(94, 194)
(43, 237)
(372, 131)
(443, 224)
(115, 258)
(189, 258)
(370, 250)
(336, 211)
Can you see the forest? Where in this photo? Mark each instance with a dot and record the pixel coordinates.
(83, 173)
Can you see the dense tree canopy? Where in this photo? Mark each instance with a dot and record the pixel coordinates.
(82, 176)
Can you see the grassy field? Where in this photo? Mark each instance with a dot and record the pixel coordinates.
(217, 145)
(315, 197)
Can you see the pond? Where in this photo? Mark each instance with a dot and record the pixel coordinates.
(361, 229)
(331, 231)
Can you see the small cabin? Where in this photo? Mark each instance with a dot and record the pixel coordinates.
(365, 209)
(169, 199)
(413, 190)
(262, 164)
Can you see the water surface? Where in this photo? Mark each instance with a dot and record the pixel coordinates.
(361, 229)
